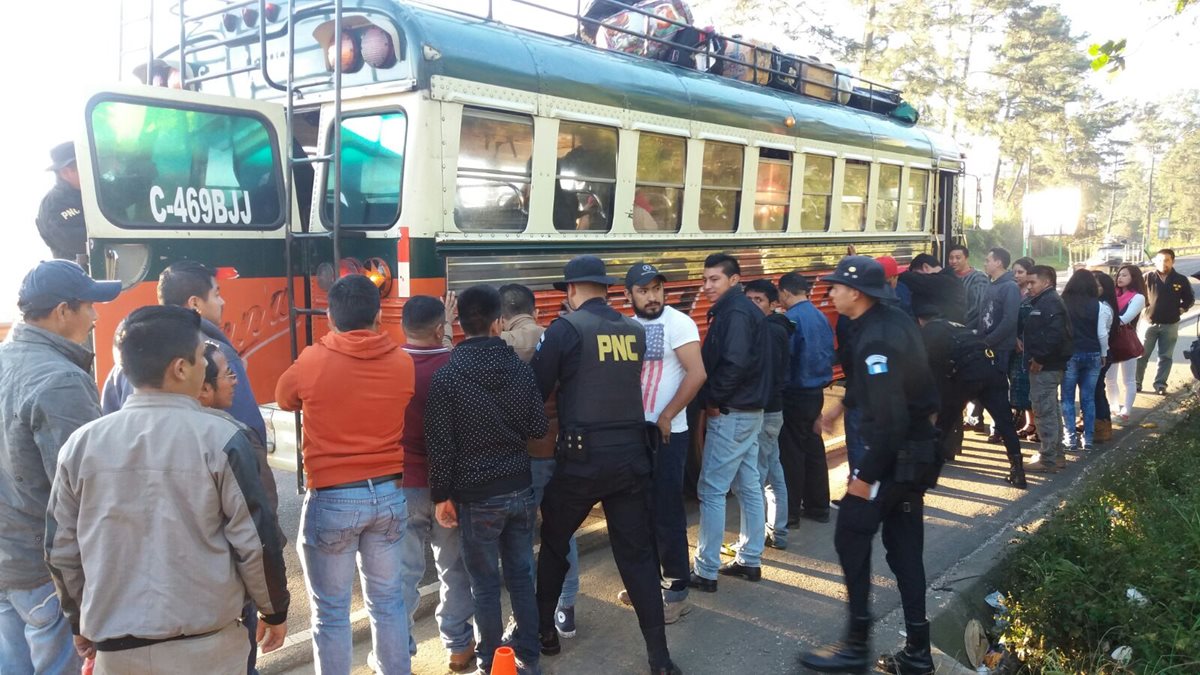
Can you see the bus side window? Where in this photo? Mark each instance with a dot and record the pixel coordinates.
(774, 183)
(586, 179)
(721, 187)
(917, 199)
(816, 204)
(658, 198)
(887, 211)
(494, 171)
(854, 196)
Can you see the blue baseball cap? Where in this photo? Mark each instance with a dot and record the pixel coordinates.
(584, 269)
(56, 281)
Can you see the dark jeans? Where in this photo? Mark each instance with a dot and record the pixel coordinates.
(992, 394)
(497, 533)
(900, 511)
(627, 507)
(670, 518)
(250, 621)
(802, 452)
(1103, 412)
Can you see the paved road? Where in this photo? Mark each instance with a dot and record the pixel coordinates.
(761, 627)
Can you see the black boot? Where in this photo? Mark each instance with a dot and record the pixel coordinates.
(848, 655)
(1016, 477)
(915, 658)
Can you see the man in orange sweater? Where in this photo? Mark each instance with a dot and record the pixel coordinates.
(353, 387)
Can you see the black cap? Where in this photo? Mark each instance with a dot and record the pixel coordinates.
(584, 269)
(57, 281)
(642, 274)
(862, 274)
(61, 155)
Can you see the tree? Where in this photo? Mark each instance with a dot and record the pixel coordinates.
(1111, 54)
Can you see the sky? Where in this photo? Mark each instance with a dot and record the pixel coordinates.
(69, 50)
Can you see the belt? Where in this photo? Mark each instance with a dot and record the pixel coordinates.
(123, 643)
(370, 482)
(616, 436)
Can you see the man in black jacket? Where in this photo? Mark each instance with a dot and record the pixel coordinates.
(737, 388)
(892, 382)
(1048, 347)
(482, 409)
(1168, 295)
(923, 277)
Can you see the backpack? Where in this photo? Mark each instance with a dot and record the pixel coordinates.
(631, 32)
(968, 350)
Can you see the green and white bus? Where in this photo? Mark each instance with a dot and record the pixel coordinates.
(470, 152)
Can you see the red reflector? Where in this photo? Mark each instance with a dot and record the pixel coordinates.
(271, 12)
(226, 273)
(249, 17)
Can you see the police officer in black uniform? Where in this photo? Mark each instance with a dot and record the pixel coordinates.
(60, 218)
(593, 355)
(891, 381)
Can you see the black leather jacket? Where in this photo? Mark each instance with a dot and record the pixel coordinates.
(733, 354)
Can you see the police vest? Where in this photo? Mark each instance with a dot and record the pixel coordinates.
(606, 392)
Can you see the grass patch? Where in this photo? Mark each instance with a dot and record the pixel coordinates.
(1135, 526)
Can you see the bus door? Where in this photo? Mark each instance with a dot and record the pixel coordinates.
(172, 175)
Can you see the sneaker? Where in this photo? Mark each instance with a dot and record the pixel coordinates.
(564, 621)
(1161, 391)
(773, 541)
(510, 631)
(674, 611)
(624, 599)
(1122, 418)
(729, 550)
(1041, 467)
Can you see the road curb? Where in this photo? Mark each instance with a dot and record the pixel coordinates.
(957, 595)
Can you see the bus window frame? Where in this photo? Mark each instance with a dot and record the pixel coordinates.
(738, 190)
(455, 171)
(790, 163)
(832, 197)
(150, 102)
(327, 169)
(906, 224)
(558, 175)
(865, 219)
(683, 187)
(880, 199)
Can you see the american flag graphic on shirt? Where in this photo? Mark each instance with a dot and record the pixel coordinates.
(652, 369)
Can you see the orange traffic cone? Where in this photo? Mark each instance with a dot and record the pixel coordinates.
(504, 662)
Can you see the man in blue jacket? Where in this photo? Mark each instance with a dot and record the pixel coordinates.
(802, 452)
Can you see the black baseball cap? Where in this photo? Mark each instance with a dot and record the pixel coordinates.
(642, 274)
(584, 269)
(862, 274)
(61, 155)
(57, 281)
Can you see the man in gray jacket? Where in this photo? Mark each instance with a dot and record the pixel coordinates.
(46, 393)
(162, 503)
(974, 282)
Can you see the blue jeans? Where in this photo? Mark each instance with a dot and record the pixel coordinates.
(730, 462)
(336, 527)
(497, 533)
(1163, 336)
(770, 472)
(455, 606)
(1082, 372)
(856, 444)
(34, 635)
(543, 470)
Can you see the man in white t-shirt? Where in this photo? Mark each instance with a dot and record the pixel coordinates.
(671, 376)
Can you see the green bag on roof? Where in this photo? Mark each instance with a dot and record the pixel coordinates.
(906, 113)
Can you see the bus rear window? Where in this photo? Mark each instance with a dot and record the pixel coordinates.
(184, 168)
(372, 170)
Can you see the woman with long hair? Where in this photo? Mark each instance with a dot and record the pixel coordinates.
(1090, 322)
(1121, 380)
(1108, 296)
(1018, 370)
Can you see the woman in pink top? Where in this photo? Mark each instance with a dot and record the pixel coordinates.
(1131, 300)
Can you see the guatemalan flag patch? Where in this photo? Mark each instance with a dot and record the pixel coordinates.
(876, 364)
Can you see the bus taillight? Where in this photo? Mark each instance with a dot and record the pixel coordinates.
(271, 12)
(250, 17)
(377, 48)
(349, 53)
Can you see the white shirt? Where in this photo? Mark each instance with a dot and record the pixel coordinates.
(662, 372)
(1103, 326)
